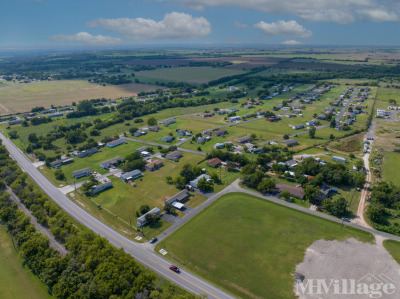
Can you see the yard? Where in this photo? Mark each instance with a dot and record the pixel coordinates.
(391, 167)
(394, 249)
(18, 281)
(123, 200)
(249, 246)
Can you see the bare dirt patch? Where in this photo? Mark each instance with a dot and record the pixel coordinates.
(351, 259)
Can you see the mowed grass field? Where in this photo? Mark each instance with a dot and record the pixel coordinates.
(391, 167)
(250, 246)
(17, 281)
(394, 249)
(189, 74)
(23, 97)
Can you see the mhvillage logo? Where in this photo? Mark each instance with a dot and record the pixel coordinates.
(372, 285)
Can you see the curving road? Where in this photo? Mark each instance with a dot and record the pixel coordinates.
(142, 254)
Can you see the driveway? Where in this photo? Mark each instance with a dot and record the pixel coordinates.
(169, 218)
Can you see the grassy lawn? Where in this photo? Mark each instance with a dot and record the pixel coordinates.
(270, 238)
(17, 281)
(394, 249)
(189, 74)
(391, 167)
(123, 200)
(92, 162)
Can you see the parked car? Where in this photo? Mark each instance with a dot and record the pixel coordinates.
(346, 219)
(174, 268)
(153, 240)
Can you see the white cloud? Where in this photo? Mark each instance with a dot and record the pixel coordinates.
(291, 43)
(233, 41)
(338, 11)
(86, 38)
(290, 29)
(240, 25)
(174, 26)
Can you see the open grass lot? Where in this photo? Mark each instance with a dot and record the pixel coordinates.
(391, 167)
(189, 74)
(23, 97)
(394, 249)
(350, 144)
(250, 246)
(17, 281)
(124, 200)
(92, 162)
(385, 93)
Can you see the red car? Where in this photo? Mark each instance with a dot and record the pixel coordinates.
(174, 268)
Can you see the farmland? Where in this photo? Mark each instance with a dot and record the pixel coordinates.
(189, 74)
(270, 238)
(14, 274)
(24, 97)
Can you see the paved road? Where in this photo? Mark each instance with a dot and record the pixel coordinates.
(148, 258)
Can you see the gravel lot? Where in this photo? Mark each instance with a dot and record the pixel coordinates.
(350, 259)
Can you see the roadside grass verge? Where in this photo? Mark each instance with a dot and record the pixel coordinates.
(394, 249)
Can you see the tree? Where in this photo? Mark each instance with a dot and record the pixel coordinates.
(286, 136)
(199, 149)
(25, 123)
(152, 121)
(311, 191)
(230, 166)
(33, 138)
(229, 146)
(332, 123)
(87, 187)
(311, 132)
(285, 194)
(59, 175)
(352, 156)
(169, 179)
(214, 176)
(266, 185)
(205, 185)
(13, 134)
(188, 174)
(179, 181)
(327, 205)
(253, 136)
(360, 179)
(302, 180)
(339, 207)
(144, 209)
(331, 137)
(359, 164)
(169, 208)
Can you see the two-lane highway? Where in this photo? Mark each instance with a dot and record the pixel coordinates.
(145, 256)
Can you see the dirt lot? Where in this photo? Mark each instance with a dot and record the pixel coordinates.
(349, 260)
(23, 97)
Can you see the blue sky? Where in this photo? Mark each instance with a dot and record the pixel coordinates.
(129, 22)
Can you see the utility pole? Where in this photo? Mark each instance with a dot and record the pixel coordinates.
(130, 222)
(220, 172)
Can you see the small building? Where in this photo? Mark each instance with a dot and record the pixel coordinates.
(220, 132)
(324, 193)
(291, 163)
(261, 112)
(290, 115)
(154, 165)
(232, 88)
(15, 122)
(65, 108)
(48, 111)
(112, 101)
(62, 161)
(177, 199)
(174, 156)
(247, 116)
(111, 162)
(219, 145)
(273, 119)
(312, 122)
(232, 109)
(131, 175)
(290, 142)
(257, 150)
(85, 153)
(209, 114)
(294, 192)
(338, 127)
(182, 132)
(215, 162)
(299, 126)
(57, 114)
(104, 186)
(167, 122)
(168, 138)
(221, 112)
(142, 219)
(81, 173)
(143, 149)
(234, 118)
(248, 106)
(154, 128)
(339, 159)
(243, 139)
(116, 143)
(196, 180)
(201, 140)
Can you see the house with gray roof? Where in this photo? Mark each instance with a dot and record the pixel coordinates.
(111, 162)
(81, 173)
(131, 175)
(174, 156)
(99, 188)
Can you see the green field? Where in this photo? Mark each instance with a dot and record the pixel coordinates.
(250, 246)
(394, 249)
(17, 281)
(391, 168)
(24, 97)
(189, 74)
